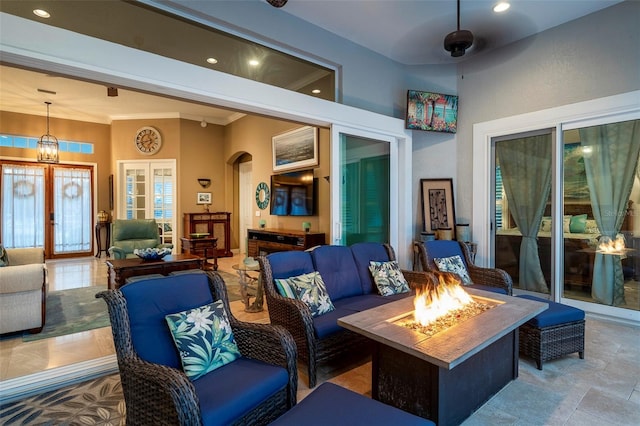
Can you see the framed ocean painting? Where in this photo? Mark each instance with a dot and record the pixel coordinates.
(435, 112)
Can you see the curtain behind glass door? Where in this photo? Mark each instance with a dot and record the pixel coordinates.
(72, 211)
(23, 205)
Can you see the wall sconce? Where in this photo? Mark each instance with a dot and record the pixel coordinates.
(204, 182)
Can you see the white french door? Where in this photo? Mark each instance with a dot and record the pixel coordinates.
(147, 190)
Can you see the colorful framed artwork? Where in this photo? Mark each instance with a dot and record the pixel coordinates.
(435, 112)
(438, 210)
(295, 149)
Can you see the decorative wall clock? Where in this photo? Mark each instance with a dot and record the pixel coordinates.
(262, 195)
(148, 140)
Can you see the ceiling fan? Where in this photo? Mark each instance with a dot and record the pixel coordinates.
(458, 41)
(277, 3)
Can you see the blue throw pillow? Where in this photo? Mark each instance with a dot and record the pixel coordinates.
(310, 289)
(388, 278)
(4, 257)
(204, 339)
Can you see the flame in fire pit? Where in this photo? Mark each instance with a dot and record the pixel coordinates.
(609, 246)
(437, 300)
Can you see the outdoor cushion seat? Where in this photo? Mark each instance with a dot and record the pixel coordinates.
(253, 389)
(351, 288)
(553, 333)
(331, 404)
(482, 278)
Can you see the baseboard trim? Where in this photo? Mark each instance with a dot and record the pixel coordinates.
(25, 386)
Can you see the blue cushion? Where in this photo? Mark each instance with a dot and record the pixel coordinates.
(362, 254)
(232, 390)
(331, 404)
(148, 302)
(327, 324)
(286, 264)
(438, 249)
(555, 315)
(338, 270)
(367, 301)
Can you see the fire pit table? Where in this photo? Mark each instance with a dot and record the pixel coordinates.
(447, 376)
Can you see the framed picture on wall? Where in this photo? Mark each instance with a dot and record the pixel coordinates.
(438, 210)
(436, 112)
(204, 198)
(295, 149)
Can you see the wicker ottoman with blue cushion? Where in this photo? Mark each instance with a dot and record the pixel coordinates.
(331, 404)
(553, 333)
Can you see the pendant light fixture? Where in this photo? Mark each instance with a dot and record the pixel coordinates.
(48, 145)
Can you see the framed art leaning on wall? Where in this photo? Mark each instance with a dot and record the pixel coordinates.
(438, 210)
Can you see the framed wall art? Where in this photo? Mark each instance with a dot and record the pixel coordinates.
(438, 210)
(432, 111)
(204, 198)
(295, 149)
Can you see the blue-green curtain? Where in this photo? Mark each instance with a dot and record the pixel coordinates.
(610, 161)
(525, 165)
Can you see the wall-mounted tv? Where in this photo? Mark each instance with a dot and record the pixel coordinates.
(293, 194)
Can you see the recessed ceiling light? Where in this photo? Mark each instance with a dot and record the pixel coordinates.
(212, 60)
(41, 13)
(501, 7)
(316, 91)
(254, 63)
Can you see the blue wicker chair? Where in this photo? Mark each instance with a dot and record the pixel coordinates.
(254, 389)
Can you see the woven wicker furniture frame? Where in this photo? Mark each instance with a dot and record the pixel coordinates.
(547, 343)
(296, 317)
(492, 277)
(156, 394)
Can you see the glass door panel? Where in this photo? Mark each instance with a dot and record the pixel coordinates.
(365, 190)
(523, 209)
(23, 205)
(72, 210)
(601, 194)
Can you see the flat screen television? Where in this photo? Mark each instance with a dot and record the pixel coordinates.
(293, 194)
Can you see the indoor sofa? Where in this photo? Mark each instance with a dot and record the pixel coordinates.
(23, 290)
(350, 286)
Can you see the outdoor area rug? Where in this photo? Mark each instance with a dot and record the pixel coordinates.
(76, 310)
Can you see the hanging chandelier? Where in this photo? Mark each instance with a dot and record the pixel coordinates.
(48, 145)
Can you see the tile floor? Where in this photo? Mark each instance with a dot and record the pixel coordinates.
(604, 388)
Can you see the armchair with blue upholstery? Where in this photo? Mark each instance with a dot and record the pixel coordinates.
(252, 389)
(490, 279)
(128, 235)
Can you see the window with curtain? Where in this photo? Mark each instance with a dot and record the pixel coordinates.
(23, 204)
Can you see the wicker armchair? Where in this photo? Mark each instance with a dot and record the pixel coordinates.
(483, 278)
(253, 389)
(296, 317)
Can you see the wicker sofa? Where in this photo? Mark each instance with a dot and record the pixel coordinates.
(351, 288)
(23, 291)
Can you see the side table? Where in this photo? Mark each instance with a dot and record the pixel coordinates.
(204, 247)
(107, 228)
(245, 281)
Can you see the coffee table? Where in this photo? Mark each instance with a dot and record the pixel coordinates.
(447, 376)
(118, 270)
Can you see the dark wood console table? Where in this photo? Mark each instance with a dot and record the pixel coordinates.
(118, 270)
(264, 241)
(216, 224)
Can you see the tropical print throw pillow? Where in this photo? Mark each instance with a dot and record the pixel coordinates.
(388, 277)
(456, 265)
(4, 258)
(204, 339)
(310, 289)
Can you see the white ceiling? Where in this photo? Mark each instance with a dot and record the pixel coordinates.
(412, 31)
(408, 31)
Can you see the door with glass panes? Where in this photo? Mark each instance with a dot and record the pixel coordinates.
(146, 190)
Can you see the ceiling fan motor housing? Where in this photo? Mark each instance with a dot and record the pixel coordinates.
(458, 42)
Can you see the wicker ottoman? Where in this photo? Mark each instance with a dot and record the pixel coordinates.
(556, 332)
(331, 404)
